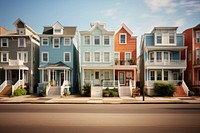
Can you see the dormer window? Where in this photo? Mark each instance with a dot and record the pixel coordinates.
(21, 31)
(57, 31)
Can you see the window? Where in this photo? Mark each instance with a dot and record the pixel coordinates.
(117, 56)
(57, 30)
(56, 43)
(152, 75)
(165, 75)
(67, 41)
(122, 38)
(4, 42)
(197, 56)
(45, 41)
(198, 36)
(22, 56)
(127, 57)
(159, 56)
(97, 57)
(45, 76)
(4, 56)
(159, 38)
(87, 75)
(166, 56)
(106, 75)
(159, 75)
(21, 42)
(96, 40)
(171, 38)
(87, 56)
(67, 56)
(106, 40)
(151, 56)
(45, 57)
(87, 40)
(106, 56)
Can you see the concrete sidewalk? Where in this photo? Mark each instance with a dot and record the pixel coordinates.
(98, 100)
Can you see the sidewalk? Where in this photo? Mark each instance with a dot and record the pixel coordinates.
(100, 100)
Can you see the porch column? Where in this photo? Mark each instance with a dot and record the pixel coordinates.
(64, 74)
(83, 75)
(182, 74)
(147, 76)
(42, 75)
(134, 77)
(69, 76)
(162, 75)
(23, 76)
(114, 77)
(19, 74)
(6, 74)
(53, 75)
(49, 75)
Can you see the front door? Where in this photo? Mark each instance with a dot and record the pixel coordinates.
(175, 76)
(121, 78)
(61, 78)
(97, 78)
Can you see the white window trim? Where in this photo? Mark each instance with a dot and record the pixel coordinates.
(87, 71)
(6, 43)
(155, 77)
(54, 45)
(47, 57)
(99, 56)
(23, 52)
(109, 41)
(105, 74)
(84, 56)
(196, 37)
(118, 55)
(94, 40)
(7, 56)
(24, 42)
(120, 38)
(69, 41)
(109, 56)
(84, 40)
(47, 42)
(69, 57)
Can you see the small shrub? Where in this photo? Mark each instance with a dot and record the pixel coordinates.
(67, 93)
(164, 89)
(20, 91)
(110, 92)
(106, 93)
(191, 93)
(86, 89)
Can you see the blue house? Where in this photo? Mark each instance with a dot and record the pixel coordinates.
(59, 62)
(162, 58)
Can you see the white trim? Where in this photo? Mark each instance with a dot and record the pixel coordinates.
(22, 56)
(89, 56)
(7, 56)
(69, 41)
(43, 41)
(99, 56)
(94, 40)
(125, 27)
(104, 41)
(24, 42)
(84, 40)
(47, 57)
(196, 37)
(54, 44)
(127, 53)
(87, 71)
(123, 78)
(6, 43)
(120, 38)
(69, 57)
(104, 56)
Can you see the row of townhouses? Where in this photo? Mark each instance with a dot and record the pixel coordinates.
(62, 58)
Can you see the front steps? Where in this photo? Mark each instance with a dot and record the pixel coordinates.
(6, 91)
(54, 91)
(125, 91)
(179, 92)
(96, 91)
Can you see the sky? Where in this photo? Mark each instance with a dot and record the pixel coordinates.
(139, 15)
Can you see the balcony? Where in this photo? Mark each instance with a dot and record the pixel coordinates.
(125, 62)
(15, 62)
(167, 64)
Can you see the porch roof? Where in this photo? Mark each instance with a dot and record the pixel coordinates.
(58, 65)
(16, 67)
(112, 67)
(165, 47)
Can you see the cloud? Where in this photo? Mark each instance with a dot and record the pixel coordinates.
(109, 12)
(180, 22)
(157, 5)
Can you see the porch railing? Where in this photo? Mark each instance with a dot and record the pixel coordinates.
(15, 62)
(118, 86)
(125, 62)
(174, 63)
(4, 84)
(66, 84)
(47, 88)
(109, 83)
(16, 85)
(185, 88)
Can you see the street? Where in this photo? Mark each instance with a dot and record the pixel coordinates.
(84, 118)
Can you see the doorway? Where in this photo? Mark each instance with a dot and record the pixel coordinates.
(121, 78)
(97, 78)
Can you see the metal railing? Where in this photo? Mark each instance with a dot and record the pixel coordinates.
(174, 63)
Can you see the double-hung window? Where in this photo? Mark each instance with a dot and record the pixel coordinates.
(97, 56)
(4, 42)
(106, 56)
(122, 38)
(45, 57)
(159, 38)
(67, 56)
(87, 57)
(87, 40)
(159, 75)
(171, 38)
(165, 75)
(159, 56)
(152, 75)
(198, 36)
(4, 56)
(96, 40)
(106, 40)
(56, 43)
(22, 56)
(21, 42)
(45, 42)
(67, 41)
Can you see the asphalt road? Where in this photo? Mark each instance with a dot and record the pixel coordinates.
(100, 118)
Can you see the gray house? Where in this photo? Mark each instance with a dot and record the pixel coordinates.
(19, 57)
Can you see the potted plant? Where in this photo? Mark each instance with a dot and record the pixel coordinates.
(116, 62)
(122, 62)
(131, 61)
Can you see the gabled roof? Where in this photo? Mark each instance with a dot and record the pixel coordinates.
(97, 25)
(164, 28)
(125, 27)
(197, 27)
(57, 24)
(57, 65)
(28, 27)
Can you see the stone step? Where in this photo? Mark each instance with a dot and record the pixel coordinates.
(179, 92)
(6, 91)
